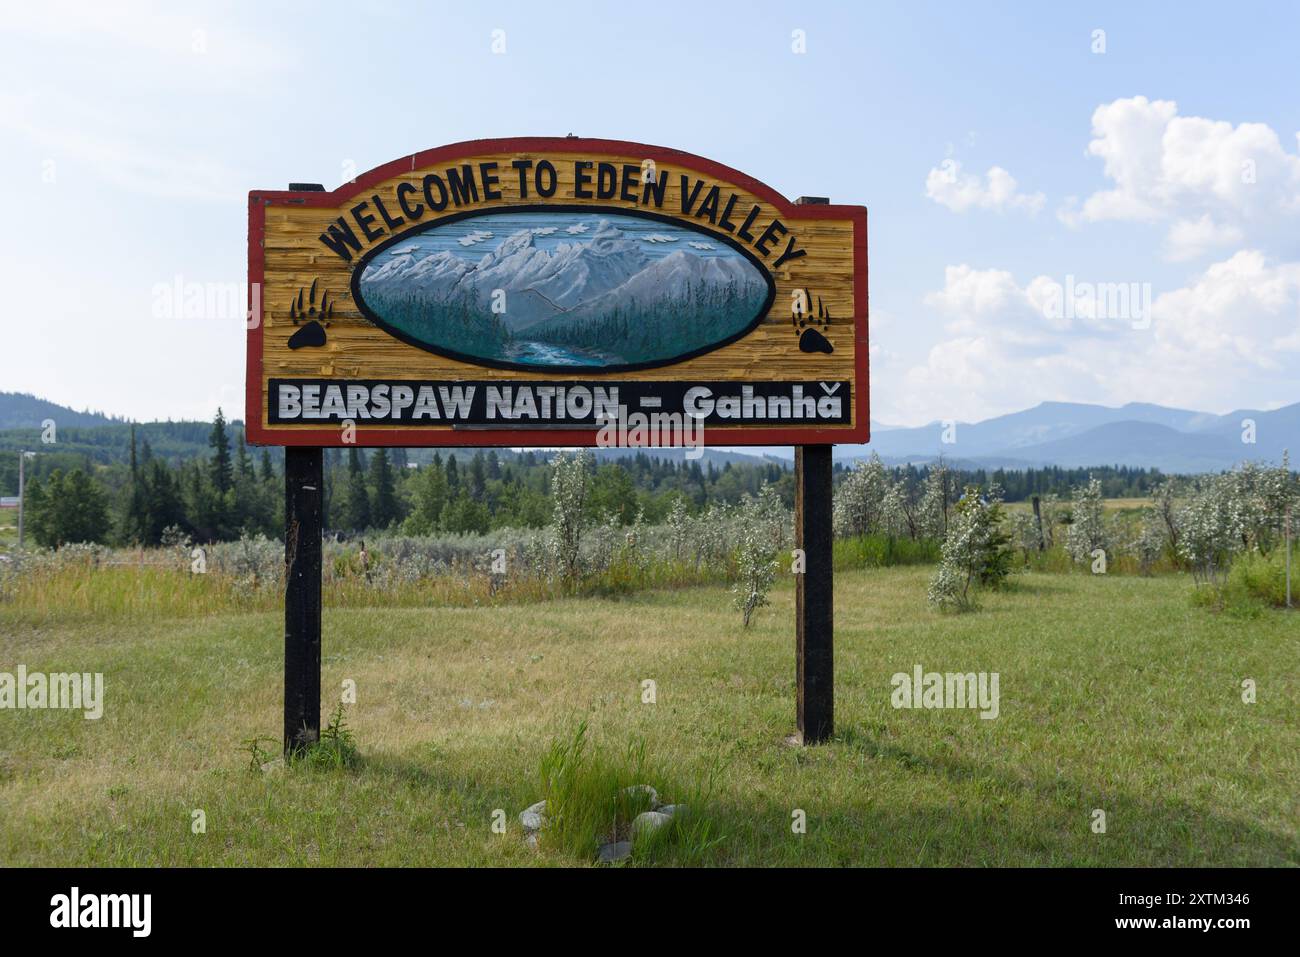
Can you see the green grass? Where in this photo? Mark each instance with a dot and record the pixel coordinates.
(1116, 693)
(8, 529)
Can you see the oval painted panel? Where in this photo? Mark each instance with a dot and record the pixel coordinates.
(570, 288)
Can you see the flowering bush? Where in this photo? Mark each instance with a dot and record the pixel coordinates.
(859, 507)
(755, 557)
(1087, 532)
(974, 552)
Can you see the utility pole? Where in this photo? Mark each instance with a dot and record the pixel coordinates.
(22, 460)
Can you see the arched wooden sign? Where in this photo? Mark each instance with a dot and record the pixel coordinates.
(526, 291)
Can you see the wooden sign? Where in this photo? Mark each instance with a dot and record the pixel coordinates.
(536, 291)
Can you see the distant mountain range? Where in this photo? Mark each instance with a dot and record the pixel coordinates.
(1073, 435)
(1068, 434)
(18, 410)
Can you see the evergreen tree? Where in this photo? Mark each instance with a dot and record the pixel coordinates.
(165, 504)
(222, 471)
(268, 470)
(384, 510)
(68, 508)
(203, 505)
(134, 521)
(477, 476)
(243, 464)
(453, 476)
(463, 516)
(356, 512)
(430, 500)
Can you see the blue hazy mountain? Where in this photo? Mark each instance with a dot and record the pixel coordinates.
(19, 410)
(1074, 434)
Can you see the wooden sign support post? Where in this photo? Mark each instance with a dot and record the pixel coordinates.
(814, 595)
(304, 490)
(303, 482)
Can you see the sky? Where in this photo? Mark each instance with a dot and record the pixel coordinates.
(1068, 202)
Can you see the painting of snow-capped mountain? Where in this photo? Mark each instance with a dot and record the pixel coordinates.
(546, 289)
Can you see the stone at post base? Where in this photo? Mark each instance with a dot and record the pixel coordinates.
(533, 817)
(617, 851)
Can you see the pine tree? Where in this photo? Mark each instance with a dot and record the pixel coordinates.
(268, 470)
(384, 510)
(165, 505)
(430, 499)
(222, 471)
(243, 463)
(205, 505)
(135, 520)
(477, 476)
(356, 512)
(68, 508)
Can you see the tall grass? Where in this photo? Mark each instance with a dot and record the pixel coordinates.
(592, 800)
(1254, 583)
(883, 551)
(76, 588)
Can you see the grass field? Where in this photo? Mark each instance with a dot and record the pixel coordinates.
(1116, 694)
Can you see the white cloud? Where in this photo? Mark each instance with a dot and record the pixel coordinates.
(1217, 182)
(1228, 338)
(948, 186)
(1243, 312)
(974, 299)
(1192, 238)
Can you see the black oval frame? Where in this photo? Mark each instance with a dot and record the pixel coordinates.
(359, 300)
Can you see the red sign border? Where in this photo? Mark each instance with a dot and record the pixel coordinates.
(370, 437)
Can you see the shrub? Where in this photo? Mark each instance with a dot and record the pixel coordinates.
(755, 557)
(1087, 531)
(569, 488)
(975, 552)
(860, 500)
(1254, 582)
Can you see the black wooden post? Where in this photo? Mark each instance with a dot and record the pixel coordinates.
(814, 595)
(303, 483)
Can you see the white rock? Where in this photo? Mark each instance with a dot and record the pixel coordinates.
(649, 821)
(636, 790)
(671, 809)
(618, 851)
(533, 817)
